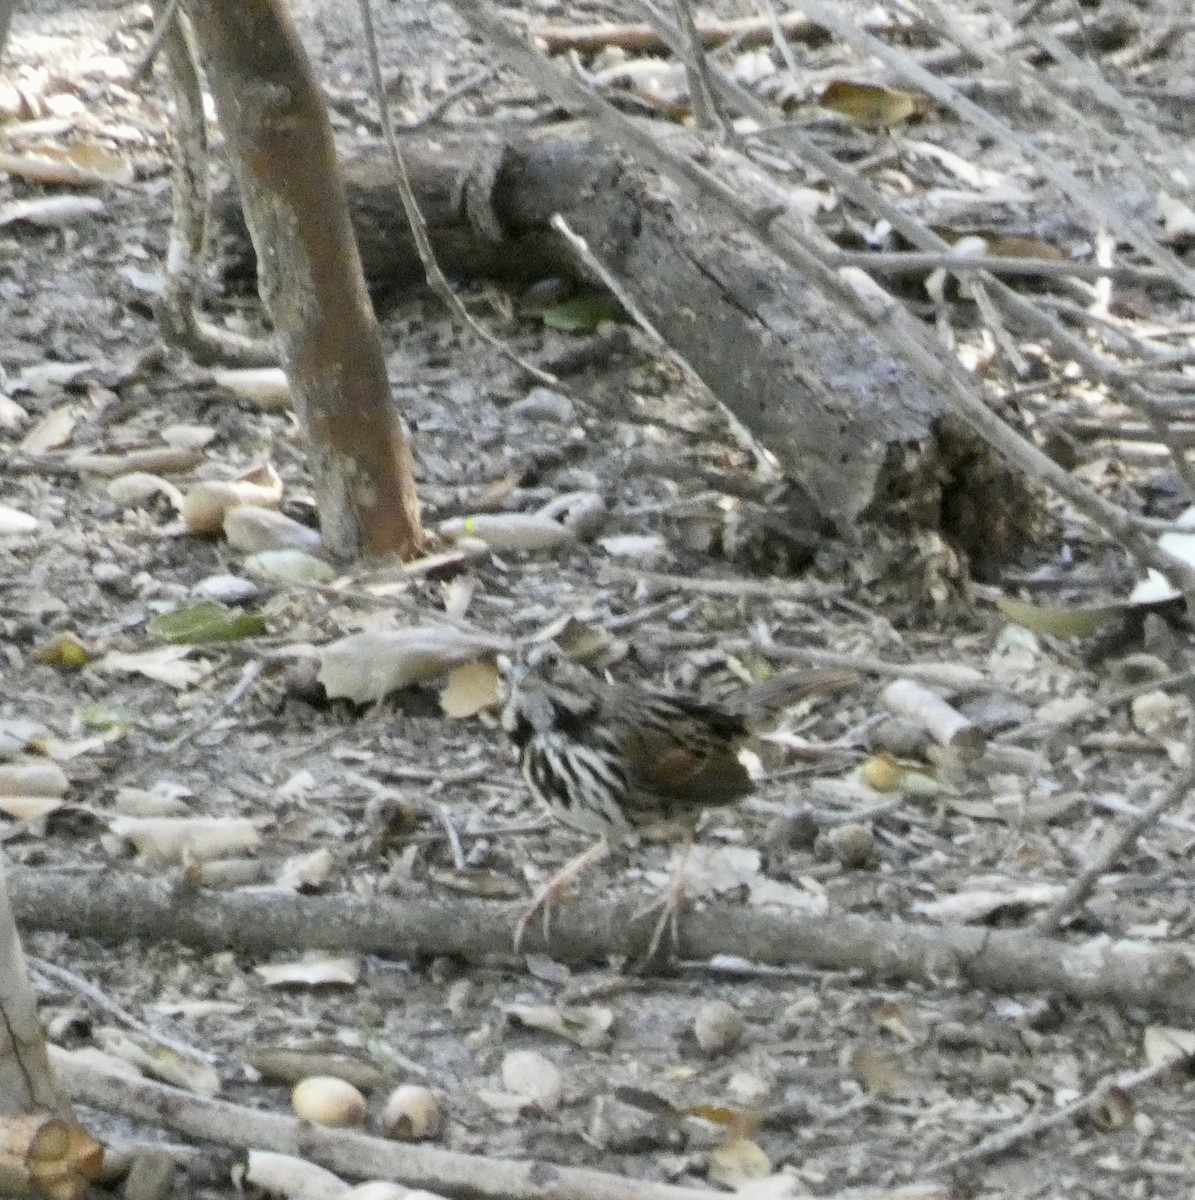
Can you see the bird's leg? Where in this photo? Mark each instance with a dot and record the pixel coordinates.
(556, 888)
(671, 902)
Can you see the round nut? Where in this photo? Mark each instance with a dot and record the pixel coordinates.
(412, 1114)
(326, 1100)
(851, 844)
(717, 1027)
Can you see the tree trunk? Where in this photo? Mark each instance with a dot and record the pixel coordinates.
(280, 143)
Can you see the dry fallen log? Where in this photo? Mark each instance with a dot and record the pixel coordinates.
(851, 425)
(124, 906)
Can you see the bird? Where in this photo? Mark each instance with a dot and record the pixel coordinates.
(612, 759)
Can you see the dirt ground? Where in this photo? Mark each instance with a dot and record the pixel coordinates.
(852, 1084)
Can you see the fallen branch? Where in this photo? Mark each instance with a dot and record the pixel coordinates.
(119, 907)
(359, 1156)
(356, 1155)
(1006, 1139)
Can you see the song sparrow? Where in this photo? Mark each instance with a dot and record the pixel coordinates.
(609, 759)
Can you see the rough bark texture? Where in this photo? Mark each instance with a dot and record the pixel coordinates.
(850, 423)
(280, 143)
(26, 1082)
(1126, 972)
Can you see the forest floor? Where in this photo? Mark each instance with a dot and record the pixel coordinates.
(852, 1083)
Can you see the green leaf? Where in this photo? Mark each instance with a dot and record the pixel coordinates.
(1061, 622)
(206, 621)
(582, 314)
(103, 716)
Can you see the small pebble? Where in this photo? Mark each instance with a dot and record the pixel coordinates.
(628, 1129)
(718, 1026)
(532, 1076)
(226, 589)
(543, 404)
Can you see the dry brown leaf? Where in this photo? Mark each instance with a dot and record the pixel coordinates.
(154, 460)
(15, 523)
(166, 664)
(41, 778)
(737, 1162)
(159, 1061)
(871, 106)
(509, 531)
(139, 486)
(29, 808)
(85, 164)
(253, 529)
(50, 210)
(588, 1025)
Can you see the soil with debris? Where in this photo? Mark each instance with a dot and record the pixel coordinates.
(839, 1082)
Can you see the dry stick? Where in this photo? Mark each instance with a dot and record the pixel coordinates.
(1045, 89)
(763, 589)
(419, 235)
(743, 31)
(200, 723)
(1089, 75)
(467, 86)
(356, 1155)
(121, 906)
(157, 35)
(1084, 883)
(103, 1003)
(780, 39)
(706, 108)
(580, 248)
(899, 262)
(1121, 150)
(1115, 804)
(1006, 1139)
(1104, 213)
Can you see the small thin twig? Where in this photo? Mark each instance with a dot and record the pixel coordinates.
(706, 109)
(418, 226)
(1115, 804)
(447, 778)
(105, 1004)
(894, 262)
(475, 81)
(156, 37)
(454, 838)
(1084, 883)
(1006, 1139)
(763, 589)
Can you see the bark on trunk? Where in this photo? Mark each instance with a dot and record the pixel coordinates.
(280, 142)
